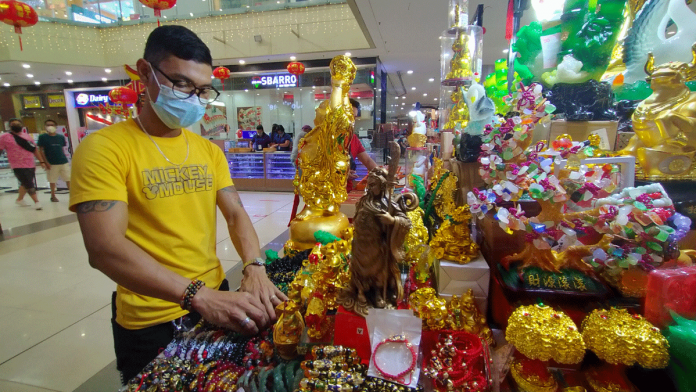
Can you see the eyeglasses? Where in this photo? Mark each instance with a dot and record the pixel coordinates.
(183, 89)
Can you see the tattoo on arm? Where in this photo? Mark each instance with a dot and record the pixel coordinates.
(95, 206)
(235, 195)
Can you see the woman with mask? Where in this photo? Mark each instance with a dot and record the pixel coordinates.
(51, 144)
(20, 153)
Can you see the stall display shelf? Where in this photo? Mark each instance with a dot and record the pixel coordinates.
(246, 165)
(279, 166)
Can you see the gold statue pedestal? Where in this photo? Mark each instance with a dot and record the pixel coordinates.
(309, 221)
(661, 164)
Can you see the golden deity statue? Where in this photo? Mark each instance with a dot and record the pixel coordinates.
(288, 329)
(460, 65)
(452, 241)
(323, 162)
(665, 124)
(458, 117)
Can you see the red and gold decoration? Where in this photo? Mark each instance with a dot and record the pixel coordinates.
(18, 14)
(158, 6)
(122, 96)
(459, 362)
(296, 68)
(221, 73)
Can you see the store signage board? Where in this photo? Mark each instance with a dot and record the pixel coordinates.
(91, 99)
(282, 80)
(55, 100)
(31, 101)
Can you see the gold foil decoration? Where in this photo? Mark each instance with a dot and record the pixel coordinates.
(532, 382)
(461, 314)
(458, 117)
(665, 144)
(452, 241)
(323, 162)
(288, 329)
(460, 65)
(418, 254)
(540, 332)
(417, 140)
(618, 337)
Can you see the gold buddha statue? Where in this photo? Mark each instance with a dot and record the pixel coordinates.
(323, 162)
(458, 117)
(665, 124)
(288, 329)
(460, 64)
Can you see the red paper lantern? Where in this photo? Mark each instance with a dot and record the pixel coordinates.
(123, 95)
(158, 6)
(19, 15)
(296, 68)
(221, 73)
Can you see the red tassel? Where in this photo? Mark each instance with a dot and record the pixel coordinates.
(295, 204)
(158, 23)
(509, 20)
(21, 49)
(18, 29)
(158, 13)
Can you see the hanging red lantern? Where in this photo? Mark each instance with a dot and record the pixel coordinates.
(19, 15)
(158, 6)
(123, 95)
(221, 73)
(296, 68)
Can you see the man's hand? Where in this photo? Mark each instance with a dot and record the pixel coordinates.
(46, 165)
(352, 175)
(241, 312)
(256, 283)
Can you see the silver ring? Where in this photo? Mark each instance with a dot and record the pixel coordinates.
(246, 321)
(273, 297)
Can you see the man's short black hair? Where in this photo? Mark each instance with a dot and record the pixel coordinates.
(259, 127)
(177, 41)
(355, 103)
(50, 121)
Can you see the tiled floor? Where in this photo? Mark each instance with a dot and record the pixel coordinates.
(55, 332)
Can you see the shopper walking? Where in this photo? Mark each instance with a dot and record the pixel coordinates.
(51, 144)
(145, 191)
(20, 153)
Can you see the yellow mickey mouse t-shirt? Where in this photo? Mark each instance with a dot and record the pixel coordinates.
(171, 209)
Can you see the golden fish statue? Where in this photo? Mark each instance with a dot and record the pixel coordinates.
(665, 124)
(323, 162)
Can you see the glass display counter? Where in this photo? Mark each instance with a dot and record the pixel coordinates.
(259, 171)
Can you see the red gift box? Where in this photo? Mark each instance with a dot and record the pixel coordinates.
(670, 289)
(351, 331)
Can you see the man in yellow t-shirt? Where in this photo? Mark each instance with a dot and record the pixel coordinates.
(145, 192)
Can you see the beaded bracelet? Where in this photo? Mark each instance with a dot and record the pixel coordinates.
(400, 378)
(190, 291)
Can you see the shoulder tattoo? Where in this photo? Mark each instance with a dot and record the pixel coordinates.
(95, 206)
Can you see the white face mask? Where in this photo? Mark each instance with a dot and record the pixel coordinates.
(51, 129)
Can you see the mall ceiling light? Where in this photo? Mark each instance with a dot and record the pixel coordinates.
(37, 83)
(104, 79)
(30, 75)
(425, 94)
(191, 13)
(242, 62)
(436, 99)
(505, 50)
(293, 58)
(107, 70)
(26, 65)
(68, 73)
(348, 54)
(246, 90)
(70, 81)
(6, 84)
(409, 71)
(413, 88)
(431, 80)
